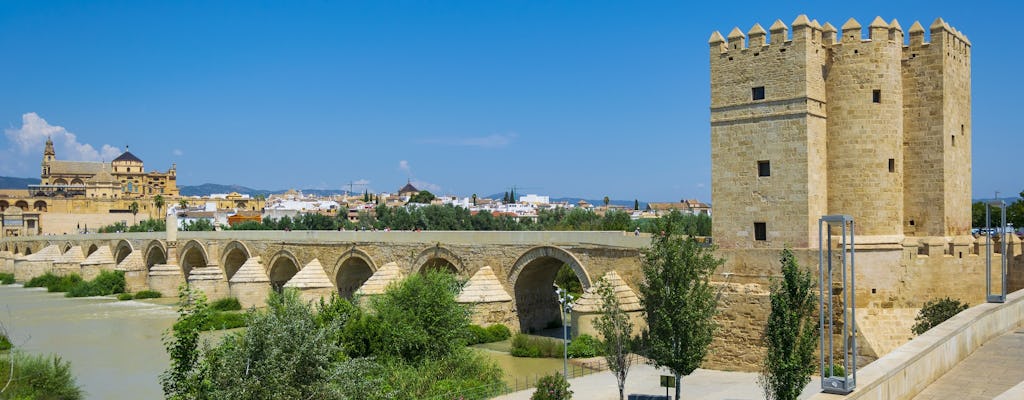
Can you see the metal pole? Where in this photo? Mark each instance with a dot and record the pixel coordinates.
(565, 346)
(1006, 238)
(821, 299)
(846, 324)
(988, 251)
(853, 299)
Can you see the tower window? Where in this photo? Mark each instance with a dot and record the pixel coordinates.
(876, 96)
(952, 139)
(892, 165)
(764, 168)
(961, 129)
(757, 93)
(760, 231)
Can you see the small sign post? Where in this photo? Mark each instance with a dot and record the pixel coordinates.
(668, 381)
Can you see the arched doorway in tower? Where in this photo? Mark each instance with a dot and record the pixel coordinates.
(352, 274)
(282, 269)
(4, 205)
(22, 204)
(534, 276)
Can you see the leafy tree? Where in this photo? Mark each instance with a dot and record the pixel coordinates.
(935, 312)
(678, 300)
(422, 197)
(421, 318)
(636, 204)
(198, 225)
(615, 220)
(791, 333)
(566, 279)
(606, 200)
(183, 204)
(158, 202)
(617, 331)
(552, 387)
(182, 345)
(134, 209)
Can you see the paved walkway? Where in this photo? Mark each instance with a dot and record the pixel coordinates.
(644, 379)
(993, 369)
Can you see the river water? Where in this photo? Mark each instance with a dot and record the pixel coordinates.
(114, 346)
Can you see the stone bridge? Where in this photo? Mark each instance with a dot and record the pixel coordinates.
(509, 274)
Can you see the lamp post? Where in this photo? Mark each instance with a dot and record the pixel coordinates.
(565, 302)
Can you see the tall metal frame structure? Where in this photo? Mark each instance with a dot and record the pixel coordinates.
(989, 296)
(826, 325)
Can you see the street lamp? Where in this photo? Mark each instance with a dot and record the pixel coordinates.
(565, 301)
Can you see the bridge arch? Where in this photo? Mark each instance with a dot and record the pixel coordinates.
(532, 277)
(92, 249)
(438, 258)
(28, 250)
(283, 266)
(65, 247)
(352, 270)
(233, 256)
(155, 253)
(122, 250)
(193, 255)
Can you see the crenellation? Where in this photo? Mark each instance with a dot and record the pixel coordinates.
(779, 32)
(736, 39)
(828, 34)
(756, 36)
(851, 32)
(896, 32)
(879, 30)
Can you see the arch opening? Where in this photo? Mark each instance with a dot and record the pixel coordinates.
(91, 249)
(282, 270)
(352, 274)
(28, 251)
(439, 264)
(124, 249)
(39, 206)
(155, 255)
(22, 204)
(4, 205)
(65, 248)
(193, 257)
(233, 260)
(534, 276)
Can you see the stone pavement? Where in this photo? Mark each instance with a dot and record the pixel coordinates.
(644, 379)
(990, 371)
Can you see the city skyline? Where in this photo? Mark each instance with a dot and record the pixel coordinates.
(572, 99)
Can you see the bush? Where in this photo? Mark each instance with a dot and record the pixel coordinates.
(837, 370)
(584, 346)
(148, 294)
(499, 332)
(535, 346)
(39, 377)
(107, 283)
(5, 343)
(223, 320)
(6, 279)
(493, 333)
(125, 296)
(54, 283)
(935, 312)
(226, 304)
(552, 387)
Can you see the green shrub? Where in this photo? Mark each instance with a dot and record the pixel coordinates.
(39, 377)
(125, 296)
(552, 387)
(218, 320)
(584, 346)
(535, 346)
(837, 370)
(5, 343)
(935, 312)
(477, 334)
(107, 283)
(226, 304)
(54, 283)
(148, 294)
(499, 332)
(6, 279)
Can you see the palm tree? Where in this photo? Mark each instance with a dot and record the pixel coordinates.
(474, 199)
(158, 202)
(134, 208)
(606, 201)
(183, 204)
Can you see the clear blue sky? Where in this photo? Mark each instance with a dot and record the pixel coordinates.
(587, 98)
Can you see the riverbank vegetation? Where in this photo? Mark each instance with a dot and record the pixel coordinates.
(107, 283)
(145, 294)
(6, 279)
(409, 342)
(28, 376)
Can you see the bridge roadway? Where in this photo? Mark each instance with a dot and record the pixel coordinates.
(514, 270)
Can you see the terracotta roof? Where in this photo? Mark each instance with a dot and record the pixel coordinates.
(75, 167)
(127, 156)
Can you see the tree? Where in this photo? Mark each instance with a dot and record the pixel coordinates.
(158, 202)
(474, 199)
(636, 204)
(791, 333)
(678, 300)
(134, 209)
(423, 197)
(183, 204)
(935, 312)
(617, 333)
(606, 200)
(182, 345)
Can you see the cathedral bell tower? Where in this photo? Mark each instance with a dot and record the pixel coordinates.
(48, 156)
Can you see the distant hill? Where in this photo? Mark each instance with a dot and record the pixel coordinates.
(7, 182)
(574, 200)
(211, 188)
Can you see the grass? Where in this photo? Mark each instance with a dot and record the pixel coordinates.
(6, 279)
(39, 377)
(535, 346)
(490, 334)
(125, 296)
(148, 294)
(226, 304)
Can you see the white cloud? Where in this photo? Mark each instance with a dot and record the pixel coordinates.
(700, 185)
(404, 166)
(177, 152)
(361, 182)
(421, 185)
(492, 141)
(31, 138)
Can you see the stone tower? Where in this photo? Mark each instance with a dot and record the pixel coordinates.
(810, 125)
(48, 156)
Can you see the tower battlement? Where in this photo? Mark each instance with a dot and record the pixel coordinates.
(808, 120)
